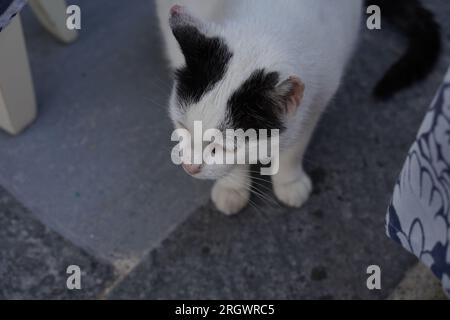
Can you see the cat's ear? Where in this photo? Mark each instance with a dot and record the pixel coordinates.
(291, 92)
(189, 31)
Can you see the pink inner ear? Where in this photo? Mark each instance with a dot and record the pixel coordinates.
(297, 90)
(176, 9)
(295, 95)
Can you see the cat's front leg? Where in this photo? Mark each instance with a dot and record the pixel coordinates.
(231, 193)
(291, 184)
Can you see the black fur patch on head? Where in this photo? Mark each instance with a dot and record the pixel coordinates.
(207, 60)
(255, 104)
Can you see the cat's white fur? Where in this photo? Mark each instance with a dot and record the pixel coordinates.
(310, 39)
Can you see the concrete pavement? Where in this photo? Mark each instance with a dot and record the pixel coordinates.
(92, 183)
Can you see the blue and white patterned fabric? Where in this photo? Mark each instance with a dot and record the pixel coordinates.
(419, 215)
(8, 10)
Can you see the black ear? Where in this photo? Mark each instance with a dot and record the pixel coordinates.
(189, 31)
(207, 57)
(291, 93)
(263, 102)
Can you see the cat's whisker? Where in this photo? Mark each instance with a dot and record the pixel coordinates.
(161, 88)
(259, 178)
(166, 84)
(268, 198)
(155, 103)
(255, 206)
(263, 186)
(256, 192)
(255, 180)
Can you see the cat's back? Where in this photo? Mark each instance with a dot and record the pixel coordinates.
(304, 25)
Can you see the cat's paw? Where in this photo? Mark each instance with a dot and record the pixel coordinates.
(229, 200)
(295, 193)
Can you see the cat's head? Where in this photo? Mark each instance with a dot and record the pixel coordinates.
(227, 83)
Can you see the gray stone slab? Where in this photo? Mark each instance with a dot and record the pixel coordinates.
(270, 253)
(95, 166)
(322, 250)
(33, 259)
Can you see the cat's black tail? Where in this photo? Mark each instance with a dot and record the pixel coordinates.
(424, 44)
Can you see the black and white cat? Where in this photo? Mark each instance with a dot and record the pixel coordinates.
(266, 64)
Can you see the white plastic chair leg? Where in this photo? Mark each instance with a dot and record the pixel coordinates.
(17, 99)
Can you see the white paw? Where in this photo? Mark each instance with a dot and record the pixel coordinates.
(229, 200)
(295, 193)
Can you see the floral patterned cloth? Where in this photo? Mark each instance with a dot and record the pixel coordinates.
(8, 9)
(419, 215)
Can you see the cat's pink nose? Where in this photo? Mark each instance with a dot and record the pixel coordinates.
(192, 169)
